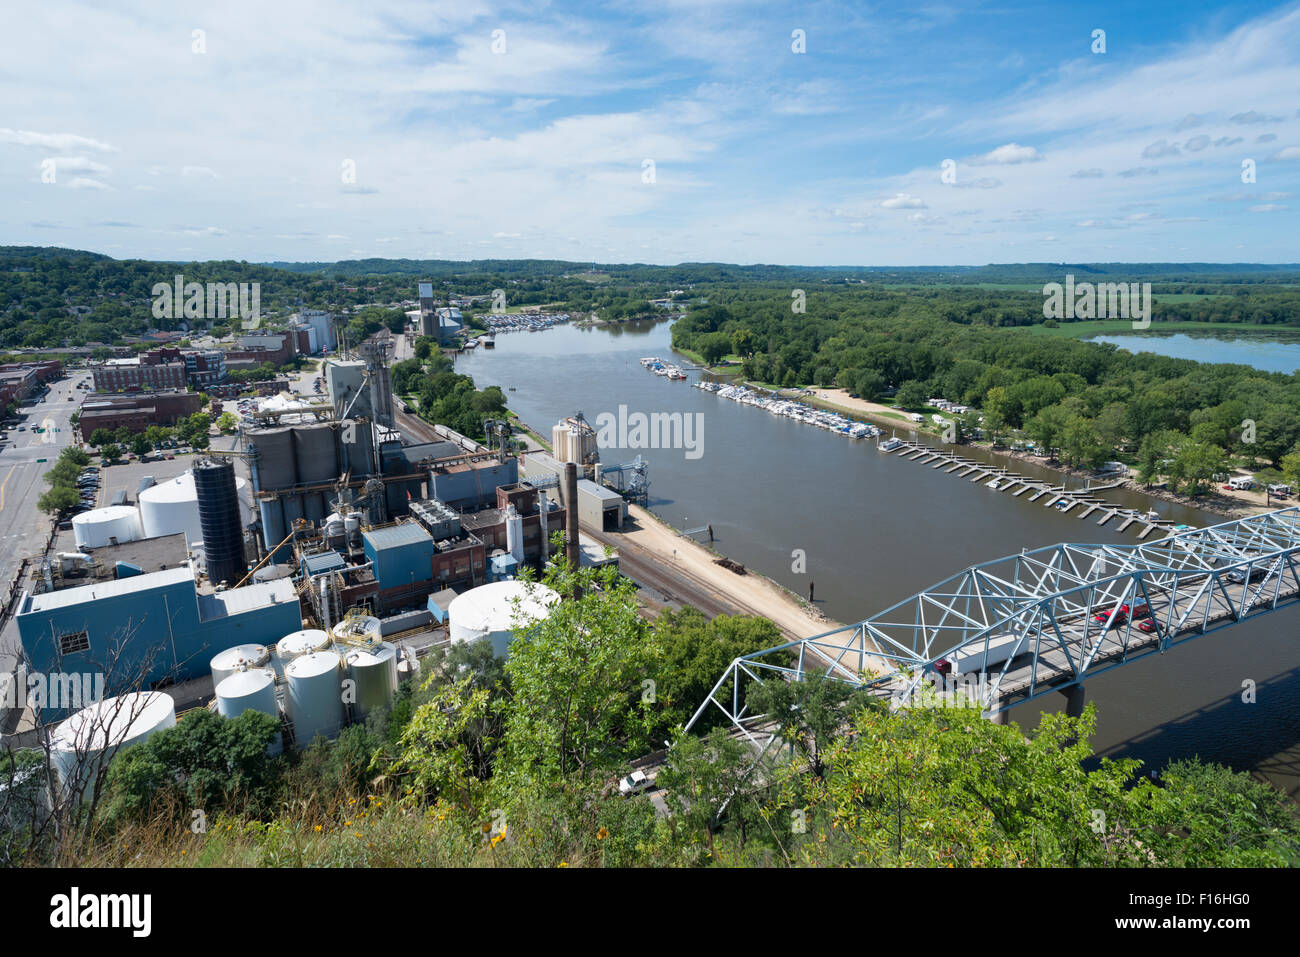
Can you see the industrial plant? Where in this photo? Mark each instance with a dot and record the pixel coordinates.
(309, 590)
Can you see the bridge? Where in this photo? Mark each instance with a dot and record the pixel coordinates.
(1040, 622)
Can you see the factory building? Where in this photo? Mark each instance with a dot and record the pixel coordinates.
(517, 531)
(471, 482)
(598, 507)
(345, 382)
(410, 564)
(158, 624)
(321, 324)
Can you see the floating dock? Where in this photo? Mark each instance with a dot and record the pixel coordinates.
(1056, 495)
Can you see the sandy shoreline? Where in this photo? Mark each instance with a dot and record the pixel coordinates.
(752, 591)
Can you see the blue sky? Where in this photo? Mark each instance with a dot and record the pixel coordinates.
(532, 142)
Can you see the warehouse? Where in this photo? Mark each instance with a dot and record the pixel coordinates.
(158, 625)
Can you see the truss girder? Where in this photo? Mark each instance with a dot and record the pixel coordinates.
(1065, 600)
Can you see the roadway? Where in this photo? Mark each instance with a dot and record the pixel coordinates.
(23, 527)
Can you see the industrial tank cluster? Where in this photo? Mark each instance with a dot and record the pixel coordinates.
(317, 680)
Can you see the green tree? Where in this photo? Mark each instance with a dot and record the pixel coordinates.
(812, 712)
(577, 705)
(60, 498)
(912, 395)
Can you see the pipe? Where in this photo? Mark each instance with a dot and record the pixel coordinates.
(325, 602)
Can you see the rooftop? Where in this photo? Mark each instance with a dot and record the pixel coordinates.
(68, 597)
(394, 536)
(234, 601)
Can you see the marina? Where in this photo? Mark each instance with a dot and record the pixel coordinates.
(790, 409)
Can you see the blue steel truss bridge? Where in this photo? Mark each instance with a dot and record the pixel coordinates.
(1042, 621)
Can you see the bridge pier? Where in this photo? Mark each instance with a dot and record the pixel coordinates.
(1075, 699)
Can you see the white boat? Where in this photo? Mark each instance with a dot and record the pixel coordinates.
(889, 444)
(993, 484)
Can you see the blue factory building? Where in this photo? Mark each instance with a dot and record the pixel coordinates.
(402, 557)
(158, 624)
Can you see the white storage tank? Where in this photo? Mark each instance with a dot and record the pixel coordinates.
(302, 643)
(173, 506)
(355, 629)
(83, 744)
(226, 663)
(374, 674)
(270, 573)
(489, 611)
(251, 690)
(101, 526)
(314, 696)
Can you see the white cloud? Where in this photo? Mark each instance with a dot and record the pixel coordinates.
(54, 141)
(904, 201)
(1007, 155)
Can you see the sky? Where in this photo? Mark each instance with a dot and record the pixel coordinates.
(662, 132)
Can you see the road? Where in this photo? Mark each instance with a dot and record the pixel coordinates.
(23, 528)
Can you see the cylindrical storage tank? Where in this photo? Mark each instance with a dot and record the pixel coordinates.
(515, 534)
(314, 696)
(84, 744)
(101, 526)
(352, 528)
(408, 666)
(252, 690)
(302, 643)
(173, 506)
(358, 628)
(374, 674)
(270, 573)
(226, 663)
(223, 533)
(489, 611)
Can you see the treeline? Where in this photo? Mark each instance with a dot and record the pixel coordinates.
(445, 396)
(1079, 399)
(517, 762)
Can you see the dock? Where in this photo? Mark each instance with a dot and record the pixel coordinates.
(1054, 496)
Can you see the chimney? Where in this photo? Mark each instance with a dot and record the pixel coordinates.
(571, 514)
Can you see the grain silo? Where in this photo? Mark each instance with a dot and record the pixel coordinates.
(314, 696)
(492, 611)
(84, 744)
(250, 690)
(219, 520)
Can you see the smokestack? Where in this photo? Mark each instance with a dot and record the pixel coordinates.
(571, 514)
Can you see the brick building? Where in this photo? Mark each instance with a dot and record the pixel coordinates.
(135, 412)
(132, 375)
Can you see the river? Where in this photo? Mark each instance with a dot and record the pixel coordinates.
(876, 529)
(1267, 351)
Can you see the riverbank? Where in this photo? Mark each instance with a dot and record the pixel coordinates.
(751, 592)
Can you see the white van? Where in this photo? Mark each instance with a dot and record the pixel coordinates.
(1241, 483)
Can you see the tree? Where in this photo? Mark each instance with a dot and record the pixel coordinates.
(206, 761)
(227, 423)
(60, 498)
(912, 395)
(1196, 463)
(577, 705)
(111, 452)
(812, 711)
(140, 445)
(100, 438)
(696, 650)
(701, 775)
(713, 347)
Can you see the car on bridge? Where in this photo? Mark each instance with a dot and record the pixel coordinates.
(1147, 625)
(1115, 621)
